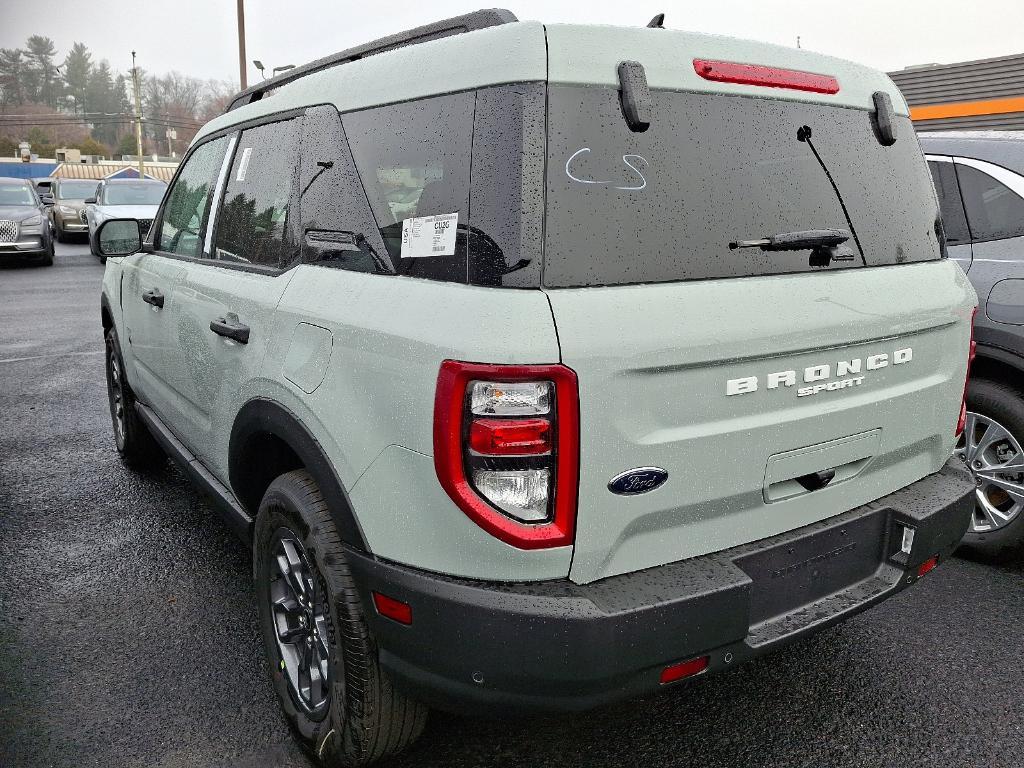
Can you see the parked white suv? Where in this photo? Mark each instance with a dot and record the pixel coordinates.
(548, 365)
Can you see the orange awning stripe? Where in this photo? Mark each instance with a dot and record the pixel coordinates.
(967, 108)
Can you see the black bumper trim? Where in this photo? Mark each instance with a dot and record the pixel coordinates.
(555, 645)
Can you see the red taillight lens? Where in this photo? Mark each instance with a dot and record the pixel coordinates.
(516, 476)
(971, 352)
(769, 77)
(684, 669)
(393, 609)
(510, 437)
(927, 566)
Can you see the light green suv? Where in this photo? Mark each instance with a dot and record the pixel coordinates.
(544, 365)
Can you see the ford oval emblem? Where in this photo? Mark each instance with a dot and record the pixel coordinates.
(639, 480)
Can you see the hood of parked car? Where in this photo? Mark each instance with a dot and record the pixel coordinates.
(18, 212)
(126, 211)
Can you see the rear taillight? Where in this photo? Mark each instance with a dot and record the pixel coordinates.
(506, 448)
(769, 77)
(971, 351)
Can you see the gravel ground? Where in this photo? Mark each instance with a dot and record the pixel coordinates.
(128, 631)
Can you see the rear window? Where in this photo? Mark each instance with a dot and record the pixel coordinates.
(664, 204)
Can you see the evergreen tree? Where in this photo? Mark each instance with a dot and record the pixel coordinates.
(44, 78)
(12, 76)
(101, 95)
(77, 68)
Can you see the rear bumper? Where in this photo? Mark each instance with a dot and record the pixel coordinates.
(556, 645)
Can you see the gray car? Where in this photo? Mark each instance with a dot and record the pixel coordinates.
(123, 199)
(979, 177)
(24, 231)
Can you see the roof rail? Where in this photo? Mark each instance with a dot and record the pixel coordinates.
(456, 25)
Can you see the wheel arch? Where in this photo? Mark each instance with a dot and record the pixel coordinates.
(268, 440)
(106, 315)
(997, 364)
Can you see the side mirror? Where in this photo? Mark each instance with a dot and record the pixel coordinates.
(46, 199)
(90, 201)
(118, 237)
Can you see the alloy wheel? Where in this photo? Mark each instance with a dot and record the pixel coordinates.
(298, 604)
(116, 392)
(996, 460)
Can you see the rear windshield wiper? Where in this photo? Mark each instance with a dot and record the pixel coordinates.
(808, 239)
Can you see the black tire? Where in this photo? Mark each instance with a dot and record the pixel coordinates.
(59, 233)
(47, 260)
(363, 718)
(137, 447)
(1004, 404)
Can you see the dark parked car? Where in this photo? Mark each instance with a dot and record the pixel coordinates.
(24, 231)
(979, 177)
(68, 210)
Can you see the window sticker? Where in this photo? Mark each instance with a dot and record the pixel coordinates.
(243, 164)
(424, 236)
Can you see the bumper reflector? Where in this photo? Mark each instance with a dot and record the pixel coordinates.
(683, 669)
(927, 566)
(392, 609)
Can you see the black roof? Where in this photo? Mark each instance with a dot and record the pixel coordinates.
(456, 25)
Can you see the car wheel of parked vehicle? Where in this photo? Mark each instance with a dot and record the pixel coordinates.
(991, 447)
(48, 258)
(59, 234)
(138, 448)
(323, 660)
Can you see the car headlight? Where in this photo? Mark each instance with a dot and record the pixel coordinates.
(66, 209)
(32, 221)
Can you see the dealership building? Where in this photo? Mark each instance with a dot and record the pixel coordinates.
(983, 94)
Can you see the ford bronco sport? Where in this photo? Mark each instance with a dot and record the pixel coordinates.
(548, 365)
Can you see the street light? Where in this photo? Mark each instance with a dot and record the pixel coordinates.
(259, 65)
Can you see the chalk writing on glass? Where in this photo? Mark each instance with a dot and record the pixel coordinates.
(608, 182)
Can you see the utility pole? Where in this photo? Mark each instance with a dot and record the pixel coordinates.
(138, 116)
(241, 45)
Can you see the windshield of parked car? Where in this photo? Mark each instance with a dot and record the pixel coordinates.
(133, 194)
(16, 194)
(77, 190)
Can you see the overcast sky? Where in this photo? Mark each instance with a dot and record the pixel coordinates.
(198, 37)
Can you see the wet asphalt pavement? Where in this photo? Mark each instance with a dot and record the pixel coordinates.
(128, 631)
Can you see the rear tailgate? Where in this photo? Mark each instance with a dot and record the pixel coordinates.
(653, 363)
(741, 372)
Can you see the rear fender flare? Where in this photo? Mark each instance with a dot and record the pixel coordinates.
(260, 416)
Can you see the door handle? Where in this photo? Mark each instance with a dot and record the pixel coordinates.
(154, 297)
(231, 328)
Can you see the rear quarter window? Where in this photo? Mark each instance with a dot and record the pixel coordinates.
(414, 160)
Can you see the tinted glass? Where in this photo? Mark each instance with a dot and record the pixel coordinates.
(994, 211)
(16, 194)
(76, 190)
(252, 227)
(506, 236)
(336, 225)
(133, 194)
(952, 207)
(414, 161)
(182, 221)
(665, 204)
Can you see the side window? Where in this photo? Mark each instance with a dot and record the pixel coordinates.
(954, 221)
(994, 211)
(414, 161)
(180, 229)
(337, 228)
(252, 225)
